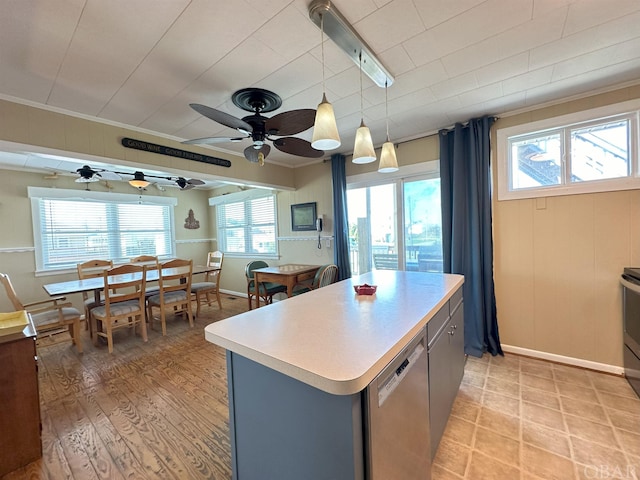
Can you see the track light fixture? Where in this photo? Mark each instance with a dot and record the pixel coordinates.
(325, 15)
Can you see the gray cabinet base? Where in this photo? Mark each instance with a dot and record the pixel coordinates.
(446, 364)
(284, 429)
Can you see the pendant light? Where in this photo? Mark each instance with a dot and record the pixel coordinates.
(325, 130)
(388, 160)
(363, 151)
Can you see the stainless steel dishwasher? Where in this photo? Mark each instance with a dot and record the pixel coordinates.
(397, 413)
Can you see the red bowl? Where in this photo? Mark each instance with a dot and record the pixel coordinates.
(365, 289)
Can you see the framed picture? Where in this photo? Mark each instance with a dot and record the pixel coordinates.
(303, 216)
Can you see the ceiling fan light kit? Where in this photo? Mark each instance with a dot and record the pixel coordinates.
(138, 180)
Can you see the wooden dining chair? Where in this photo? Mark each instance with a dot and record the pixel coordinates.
(48, 315)
(152, 264)
(174, 281)
(266, 289)
(204, 291)
(125, 309)
(91, 269)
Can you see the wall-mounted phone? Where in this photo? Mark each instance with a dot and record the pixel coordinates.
(319, 229)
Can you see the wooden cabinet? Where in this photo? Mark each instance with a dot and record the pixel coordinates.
(20, 442)
(445, 337)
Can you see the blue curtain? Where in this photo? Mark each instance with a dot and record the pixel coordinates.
(340, 221)
(467, 242)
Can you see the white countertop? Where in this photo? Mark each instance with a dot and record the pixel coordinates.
(333, 339)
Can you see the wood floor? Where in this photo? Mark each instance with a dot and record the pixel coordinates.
(150, 410)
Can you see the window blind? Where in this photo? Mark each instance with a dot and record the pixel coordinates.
(73, 231)
(248, 226)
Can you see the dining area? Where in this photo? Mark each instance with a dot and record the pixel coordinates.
(133, 296)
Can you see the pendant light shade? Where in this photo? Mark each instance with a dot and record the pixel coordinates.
(363, 151)
(388, 160)
(325, 129)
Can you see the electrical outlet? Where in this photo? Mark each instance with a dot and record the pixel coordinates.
(328, 243)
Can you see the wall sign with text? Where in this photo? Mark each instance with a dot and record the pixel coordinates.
(173, 152)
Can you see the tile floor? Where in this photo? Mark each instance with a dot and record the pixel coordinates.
(517, 418)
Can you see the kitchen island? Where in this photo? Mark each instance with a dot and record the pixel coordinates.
(300, 373)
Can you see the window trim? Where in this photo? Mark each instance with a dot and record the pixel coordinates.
(42, 193)
(631, 107)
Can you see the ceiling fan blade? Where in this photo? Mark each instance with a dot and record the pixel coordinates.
(297, 146)
(195, 181)
(251, 153)
(292, 122)
(221, 117)
(212, 140)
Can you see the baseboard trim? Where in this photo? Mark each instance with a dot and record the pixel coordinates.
(576, 362)
(242, 294)
(235, 294)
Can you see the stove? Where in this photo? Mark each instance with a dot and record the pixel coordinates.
(631, 314)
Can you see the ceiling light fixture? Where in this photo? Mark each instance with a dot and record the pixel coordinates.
(325, 15)
(388, 160)
(138, 180)
(363, 151)
(325, 130)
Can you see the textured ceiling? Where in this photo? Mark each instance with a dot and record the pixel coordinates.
(141, 62)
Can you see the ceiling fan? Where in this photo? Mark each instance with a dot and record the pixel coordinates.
(88, 174)
(259, 128)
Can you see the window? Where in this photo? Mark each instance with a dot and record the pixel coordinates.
(248, 225)
(591, 151)
(396, 225)
(70, 230)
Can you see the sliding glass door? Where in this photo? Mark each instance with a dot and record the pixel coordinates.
(396, 226)
(422, 225)
(373, 229)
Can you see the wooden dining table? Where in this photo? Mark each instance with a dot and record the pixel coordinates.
(96, 284)
(288, 275)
